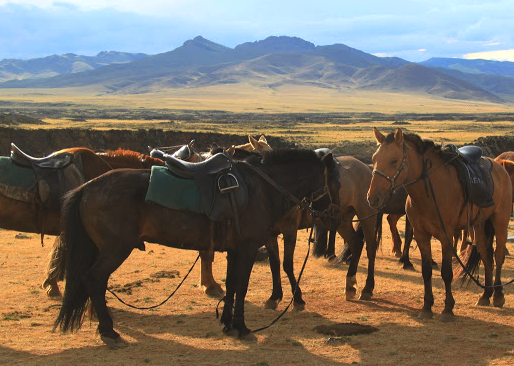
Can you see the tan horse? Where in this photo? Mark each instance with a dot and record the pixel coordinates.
(255, 145)
(406, 159)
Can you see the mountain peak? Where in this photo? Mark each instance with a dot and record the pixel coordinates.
(200, 42)
(274, 44)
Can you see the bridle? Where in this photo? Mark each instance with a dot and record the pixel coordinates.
(392, 180)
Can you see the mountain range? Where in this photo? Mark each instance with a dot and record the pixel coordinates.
(270, 63)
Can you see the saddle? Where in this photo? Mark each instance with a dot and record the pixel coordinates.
(223, 191)
(55, 175)
(474, 172)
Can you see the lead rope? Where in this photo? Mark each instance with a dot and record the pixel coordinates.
(164, 301)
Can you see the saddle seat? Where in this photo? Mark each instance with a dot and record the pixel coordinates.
(52, 161)
(474, 172)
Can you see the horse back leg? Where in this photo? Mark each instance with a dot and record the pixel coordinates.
(95, 281)
(355, 244)
(55, 270)
(207, 281)
(425, 249)
(405, 259)
(500, 231)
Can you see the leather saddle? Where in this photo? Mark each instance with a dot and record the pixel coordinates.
(223, 191)
(474, 172)
(55, 175)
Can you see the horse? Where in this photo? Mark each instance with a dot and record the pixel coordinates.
(96, 247)
(255, 145)
(117, 159)
(354, 174)
(437, 206)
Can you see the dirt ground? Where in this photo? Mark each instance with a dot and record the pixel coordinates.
(185, 331)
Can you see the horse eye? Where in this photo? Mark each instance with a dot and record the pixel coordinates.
(394, 162)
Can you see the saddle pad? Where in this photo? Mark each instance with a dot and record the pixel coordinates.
(15, 175)
(172, 192)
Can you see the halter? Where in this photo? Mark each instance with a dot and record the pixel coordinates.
(392, 180)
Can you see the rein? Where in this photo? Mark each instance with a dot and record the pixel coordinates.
(162, 302)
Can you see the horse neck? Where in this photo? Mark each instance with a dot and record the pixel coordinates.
(123, 161)
(439, 173)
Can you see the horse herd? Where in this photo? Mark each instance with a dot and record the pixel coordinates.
(104, 219)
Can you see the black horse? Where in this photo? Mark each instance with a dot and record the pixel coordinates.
(107, 218)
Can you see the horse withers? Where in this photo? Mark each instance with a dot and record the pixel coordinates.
(102, 224)
(437, 207)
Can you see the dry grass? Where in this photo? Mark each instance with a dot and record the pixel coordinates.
(185, 331)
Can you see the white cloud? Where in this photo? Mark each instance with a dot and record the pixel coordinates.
(500, 55)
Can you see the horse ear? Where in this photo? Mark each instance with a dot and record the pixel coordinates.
(329, 161)
(231, 150)
(263, 139)
(398, 136)
(378, 135)
(254, 142)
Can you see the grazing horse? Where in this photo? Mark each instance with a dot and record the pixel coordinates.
(102, 224)
(437, 207)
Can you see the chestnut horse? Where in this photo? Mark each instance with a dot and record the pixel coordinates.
(437, 208)
(96, 248)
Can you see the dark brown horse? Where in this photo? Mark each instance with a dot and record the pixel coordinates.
(106, 218)
(437, 208)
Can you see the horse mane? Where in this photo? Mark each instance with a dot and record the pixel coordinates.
(121, 152)
(421, 145)
(292, 155)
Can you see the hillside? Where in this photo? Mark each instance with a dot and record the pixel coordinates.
(270, 63)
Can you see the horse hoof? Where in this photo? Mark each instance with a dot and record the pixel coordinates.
(230, 331)
(350, 294)
(114, 343)
(214, 291)
(425, 314)
(397, 254)
(447, 317)
(53, 292)
(483, 301)
(271, 304)
(498, 301)
(365, 296)
(298, 307)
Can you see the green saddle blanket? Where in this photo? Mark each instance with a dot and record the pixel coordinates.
(175, 193)
(15, 175)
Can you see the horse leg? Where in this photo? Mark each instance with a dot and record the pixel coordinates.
(245, 260)
(208, 283)
(351, 238)
(370, 227)
(230, 285)
(407, 264)
(289, 247)
(331, 247)
(500, 231)
(95, 281)
(397, 241)
(320, 242)
(447, 275)
(486, 254)
(426, 270)
(55, 270)
(274, 263)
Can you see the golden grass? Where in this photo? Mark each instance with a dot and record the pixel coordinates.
(249, 98)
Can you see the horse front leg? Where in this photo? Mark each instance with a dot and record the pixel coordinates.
(397, 241)
(274, 263)
(207, 281)
(486, 254)
(289, 247)
(245, 260)
(447, 275)
(370, 234)
(230, 284)
(500, 230)
(426, 270)
(405, 258)
(355, 244)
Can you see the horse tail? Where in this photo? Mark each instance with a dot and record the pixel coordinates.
(79, 254)
(471, 258)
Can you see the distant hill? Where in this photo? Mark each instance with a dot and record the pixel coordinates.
(489, 67)
(58, 65)
(269, 63)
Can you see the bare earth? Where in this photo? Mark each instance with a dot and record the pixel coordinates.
(185, 331)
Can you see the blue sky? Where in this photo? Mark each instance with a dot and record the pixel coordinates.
(414, 30)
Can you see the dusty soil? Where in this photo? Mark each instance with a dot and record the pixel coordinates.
(185, 331)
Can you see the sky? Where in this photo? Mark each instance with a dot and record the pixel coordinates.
(414, 30)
